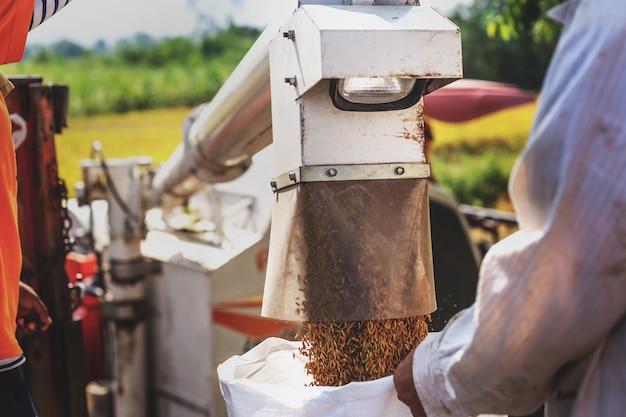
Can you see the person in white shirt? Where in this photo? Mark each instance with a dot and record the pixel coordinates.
(549, 321)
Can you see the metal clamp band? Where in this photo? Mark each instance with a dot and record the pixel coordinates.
(360, 172)
(125, 311)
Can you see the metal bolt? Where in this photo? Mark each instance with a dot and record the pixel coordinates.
(400, 171)
(291, 81)
(274, 185)
(292, 176)
(332, 172)
(290, 34)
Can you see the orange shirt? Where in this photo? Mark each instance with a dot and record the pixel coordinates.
(15, 16)
(10, 249)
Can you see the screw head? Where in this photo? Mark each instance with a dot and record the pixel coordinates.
(400, 171)
(332, 172)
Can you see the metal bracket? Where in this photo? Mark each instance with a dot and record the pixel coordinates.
(394, 171)
(132, 271)
(131, 311)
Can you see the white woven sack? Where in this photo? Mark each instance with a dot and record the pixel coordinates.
(270, 381)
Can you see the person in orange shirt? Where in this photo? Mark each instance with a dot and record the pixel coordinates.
(18, 301)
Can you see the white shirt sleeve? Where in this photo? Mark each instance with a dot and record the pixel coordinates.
(552, 292)
(45, 9)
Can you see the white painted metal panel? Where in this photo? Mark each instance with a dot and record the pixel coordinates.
(331, 136)
(181, 343)
(186, 345)
(373, 41)
(286, 120)
(311, 131)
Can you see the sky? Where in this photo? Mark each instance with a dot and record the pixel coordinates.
(88, 21)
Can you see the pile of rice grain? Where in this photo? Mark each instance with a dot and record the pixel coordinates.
(345, 352)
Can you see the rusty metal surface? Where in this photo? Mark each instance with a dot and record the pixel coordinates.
(54, 367)
(353, 250)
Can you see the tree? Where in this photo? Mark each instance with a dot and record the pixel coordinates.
(517, 56)
(177, 49)
(100, 47)
(133, 51)
(67, 49)
(510, 18)
(204, 21)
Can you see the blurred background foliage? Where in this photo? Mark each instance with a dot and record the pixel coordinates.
(139, 73)
(134, 95)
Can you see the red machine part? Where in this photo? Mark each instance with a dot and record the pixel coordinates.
(82, 271)
(80, 266)
(54, 369)
(469, 99)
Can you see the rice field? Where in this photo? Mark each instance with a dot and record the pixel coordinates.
(462, 153)
(508, 128)
(154, 133)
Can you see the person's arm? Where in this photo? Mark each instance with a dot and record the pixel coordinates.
(32, 313)
(553, 291)
(45, 9)
(405, 387)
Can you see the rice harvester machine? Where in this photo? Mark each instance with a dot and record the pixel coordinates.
(307, 164)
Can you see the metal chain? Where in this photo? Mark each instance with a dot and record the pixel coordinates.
(68, 241)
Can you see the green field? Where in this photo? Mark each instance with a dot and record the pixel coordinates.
(473, 159)
(154, 133)
(142, 74)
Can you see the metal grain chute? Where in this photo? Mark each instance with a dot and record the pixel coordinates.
(350, 169)
(351, 251)
(350, 237)
(300, 87)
